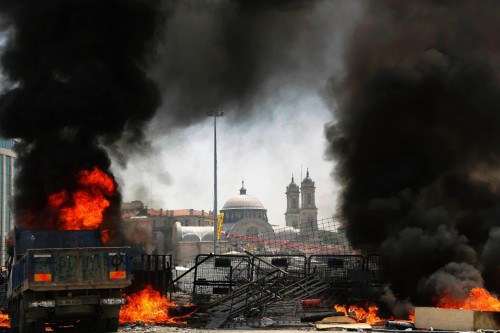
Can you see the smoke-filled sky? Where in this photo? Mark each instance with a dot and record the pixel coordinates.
(402, 97)
(263, 63)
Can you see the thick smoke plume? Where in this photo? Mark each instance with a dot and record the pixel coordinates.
(235, 55)
(417, 143)
(77, 85)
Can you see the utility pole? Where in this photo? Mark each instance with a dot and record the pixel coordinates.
(215, 114)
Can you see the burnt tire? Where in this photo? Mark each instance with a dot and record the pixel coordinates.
(39, 326)
(24, 326)
(99, 326)
(113, 324)
(13, 317)
(14, 324)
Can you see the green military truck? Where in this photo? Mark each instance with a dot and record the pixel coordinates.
(65, 278)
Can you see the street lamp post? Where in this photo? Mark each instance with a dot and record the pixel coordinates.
(215, 114)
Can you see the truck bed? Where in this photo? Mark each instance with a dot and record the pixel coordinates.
(71, 269)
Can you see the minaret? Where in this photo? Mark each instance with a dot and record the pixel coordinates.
(243, 190)
(292, 215)
(308, 210)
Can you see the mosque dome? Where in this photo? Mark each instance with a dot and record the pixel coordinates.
(242, 201)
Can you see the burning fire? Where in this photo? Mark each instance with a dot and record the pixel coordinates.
(83, 208)
(361, 315)
(4, 320)
(478, 299)
(148, 306)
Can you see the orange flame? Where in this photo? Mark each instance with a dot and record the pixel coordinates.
(83, 209)
(361, 315)
(149, 307)
(4, 320)
(478, 299)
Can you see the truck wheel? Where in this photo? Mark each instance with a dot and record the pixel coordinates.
(24, 326)
(13, 317)
(39, 326)
(99, 326)
(14, 324)
(113, 324)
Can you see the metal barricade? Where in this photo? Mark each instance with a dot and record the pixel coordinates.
(154, 270)
(338, 269)
(373, 269)
(292, 264)
(216, 275)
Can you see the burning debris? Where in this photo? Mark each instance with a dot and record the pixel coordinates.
(361, 314)
(4, 320)
(148, 306)
(478, 299)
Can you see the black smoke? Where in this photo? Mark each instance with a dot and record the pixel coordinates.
(235, 55)
(417, 143)
(77, 84)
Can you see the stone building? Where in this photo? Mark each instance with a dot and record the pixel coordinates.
(245, 215)
(155, 231)
(304, 216)
(187, 233)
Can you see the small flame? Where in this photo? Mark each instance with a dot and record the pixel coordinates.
(83, 209)
(361, 315)
(478, 299)
(4, 320)
(149, 307)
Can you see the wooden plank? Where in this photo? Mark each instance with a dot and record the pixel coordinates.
(341, 326)
(339, 320)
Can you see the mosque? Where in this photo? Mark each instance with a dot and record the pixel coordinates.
(187, 233)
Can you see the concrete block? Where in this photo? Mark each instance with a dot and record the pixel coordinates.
(456, 319)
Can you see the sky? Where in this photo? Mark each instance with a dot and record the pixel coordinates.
(264, 154)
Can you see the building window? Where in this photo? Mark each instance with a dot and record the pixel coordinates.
(310, 223)
(294, 202)
(309, 198)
